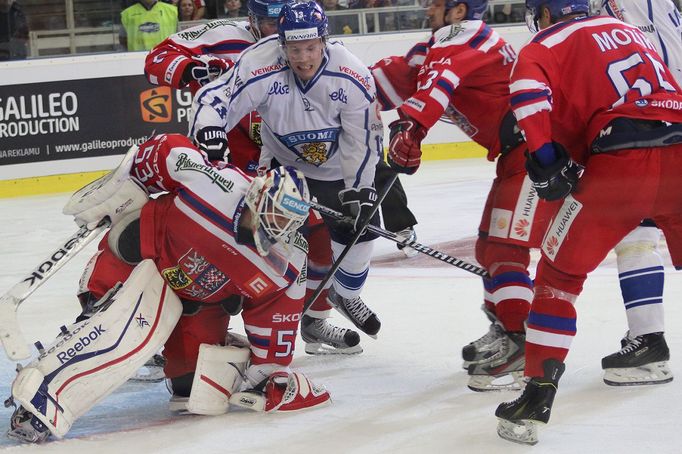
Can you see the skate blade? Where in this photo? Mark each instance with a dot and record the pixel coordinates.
(524, 432)
(508, 382)
(322, 349)
(146, 374)
(649, 374)
(409, 252)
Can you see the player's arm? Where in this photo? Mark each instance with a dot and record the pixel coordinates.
(360, 147)
(550, 167)
(396, 77)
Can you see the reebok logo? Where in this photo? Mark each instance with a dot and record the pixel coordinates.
(156, 105)
(83, 342)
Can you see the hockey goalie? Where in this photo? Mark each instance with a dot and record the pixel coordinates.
(170, 273)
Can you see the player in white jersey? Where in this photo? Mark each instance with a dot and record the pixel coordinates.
(640, 265)
(318, 106)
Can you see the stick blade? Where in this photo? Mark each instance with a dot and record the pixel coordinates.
(12, 339)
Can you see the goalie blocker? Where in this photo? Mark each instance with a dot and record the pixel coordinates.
(98, 355)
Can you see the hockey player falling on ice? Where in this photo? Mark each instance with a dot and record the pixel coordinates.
(185, 260)
(319, 112)
(463, 74)
(617, 112)
(644, 353)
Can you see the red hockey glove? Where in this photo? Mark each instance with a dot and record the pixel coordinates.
(282, 391)
(205, 69)
(404, 148)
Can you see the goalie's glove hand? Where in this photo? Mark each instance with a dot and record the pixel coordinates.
(404, 148)
(212, 140)
(357, 204)
(205, 69)
(556, 180)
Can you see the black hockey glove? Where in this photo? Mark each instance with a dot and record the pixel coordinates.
(212, 140)
(358, 203)
(558, 179)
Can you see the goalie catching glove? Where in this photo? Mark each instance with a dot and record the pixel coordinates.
(281, 390)
(404, 148)
(112, 196)
(556, 180)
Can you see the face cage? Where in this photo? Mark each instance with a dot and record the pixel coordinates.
(274, 225)
(255, 20)
(532, 19)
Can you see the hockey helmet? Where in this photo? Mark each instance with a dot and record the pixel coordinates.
(301, 21)
(261, 11)
(557, 10)
(475, 8)
(279, 202)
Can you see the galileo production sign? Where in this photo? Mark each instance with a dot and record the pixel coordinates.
(85, 118)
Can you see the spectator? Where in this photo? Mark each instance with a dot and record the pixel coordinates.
(13, 31)
(341, 24)
(199, 10)
(146, 23)
(233, 9)
(186, 10)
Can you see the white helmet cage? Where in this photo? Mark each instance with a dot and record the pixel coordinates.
(279, 203)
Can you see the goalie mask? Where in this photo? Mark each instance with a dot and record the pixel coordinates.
(279, 205)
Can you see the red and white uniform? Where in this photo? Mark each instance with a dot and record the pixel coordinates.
(190, 233)
(614, 72)
(225, 39)
(462, 76)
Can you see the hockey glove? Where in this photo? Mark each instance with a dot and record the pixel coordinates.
(205, 69)
(212, 140)
(404, 148)
(559, 179)
(358, 203)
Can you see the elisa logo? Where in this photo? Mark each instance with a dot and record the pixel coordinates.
(155, 105)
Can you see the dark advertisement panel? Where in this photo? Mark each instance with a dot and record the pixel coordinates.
(85, 118)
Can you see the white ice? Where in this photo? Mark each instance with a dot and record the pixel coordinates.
(407, 392)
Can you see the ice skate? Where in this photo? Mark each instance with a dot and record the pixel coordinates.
(502, 369)
(25, 427)
(411, 235)
(322, 338)
(519, 418)
(479, 350)
(355, 310)
(152, 371)
(642, 360)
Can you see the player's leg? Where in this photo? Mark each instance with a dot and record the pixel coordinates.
(644, 352)
(93, 357)
(270, 385)
(587, 226)
(320, 336)
(396, 215)
(349, 279)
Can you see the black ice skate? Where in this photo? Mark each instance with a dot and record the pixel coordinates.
(151, 371)
(643, 360)
(25, 427)
(518, 419)
(354, 309)
(502, 367)
(322, 338)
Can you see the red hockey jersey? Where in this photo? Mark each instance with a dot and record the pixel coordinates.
(574, 77)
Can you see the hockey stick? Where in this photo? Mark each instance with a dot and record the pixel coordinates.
(12, 339)
(436, 254)
(337, 264)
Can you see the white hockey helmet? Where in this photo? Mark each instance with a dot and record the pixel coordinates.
(279, 202)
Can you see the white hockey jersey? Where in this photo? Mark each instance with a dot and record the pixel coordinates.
(659, 20)
(329, 127)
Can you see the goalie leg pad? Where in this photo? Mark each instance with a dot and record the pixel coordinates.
(218, 374)
(283, 391)
(98, 355)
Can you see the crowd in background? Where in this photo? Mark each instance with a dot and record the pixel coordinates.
(17, 17)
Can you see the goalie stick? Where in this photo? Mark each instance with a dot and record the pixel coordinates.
(436, 254)
(12, 339)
